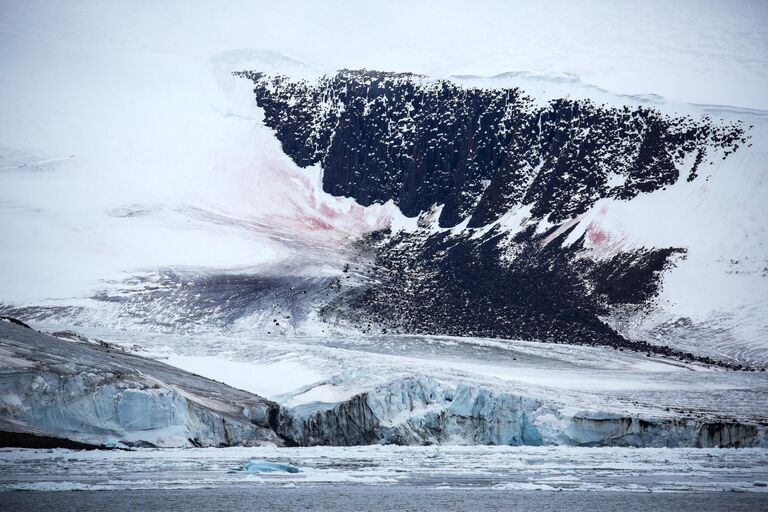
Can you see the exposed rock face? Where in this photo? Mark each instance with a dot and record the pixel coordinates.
(453, 154)
(424, 411)
(98, 394)
(479, 152)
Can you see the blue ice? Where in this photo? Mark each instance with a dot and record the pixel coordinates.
(260, 466)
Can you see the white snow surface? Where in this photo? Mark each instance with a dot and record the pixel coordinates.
(267, 379)
(126, 145)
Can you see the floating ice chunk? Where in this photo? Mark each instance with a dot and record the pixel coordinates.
(260, 466)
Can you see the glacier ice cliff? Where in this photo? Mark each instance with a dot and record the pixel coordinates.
(54, 392)
(101, 395)
(420, 411)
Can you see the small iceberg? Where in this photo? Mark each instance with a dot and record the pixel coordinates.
(260, 466)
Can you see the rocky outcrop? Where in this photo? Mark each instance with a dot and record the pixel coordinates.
(472, 159)
(479, 151)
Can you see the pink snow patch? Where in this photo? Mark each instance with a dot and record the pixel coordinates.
(604, 244)
(596, 235)
(317, 224)
(328, 211)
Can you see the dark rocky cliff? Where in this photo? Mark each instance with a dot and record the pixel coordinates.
(381, 136)
(481, 153)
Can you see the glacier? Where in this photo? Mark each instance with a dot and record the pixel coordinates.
(107, 394)
(102, 396)
(422, 412)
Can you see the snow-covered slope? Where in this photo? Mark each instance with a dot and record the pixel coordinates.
(131, 150)
(145, 193)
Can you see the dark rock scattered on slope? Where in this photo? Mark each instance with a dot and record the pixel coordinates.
(481, 152)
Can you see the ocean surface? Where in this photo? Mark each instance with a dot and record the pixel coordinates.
(374, 478)
(402, 498)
